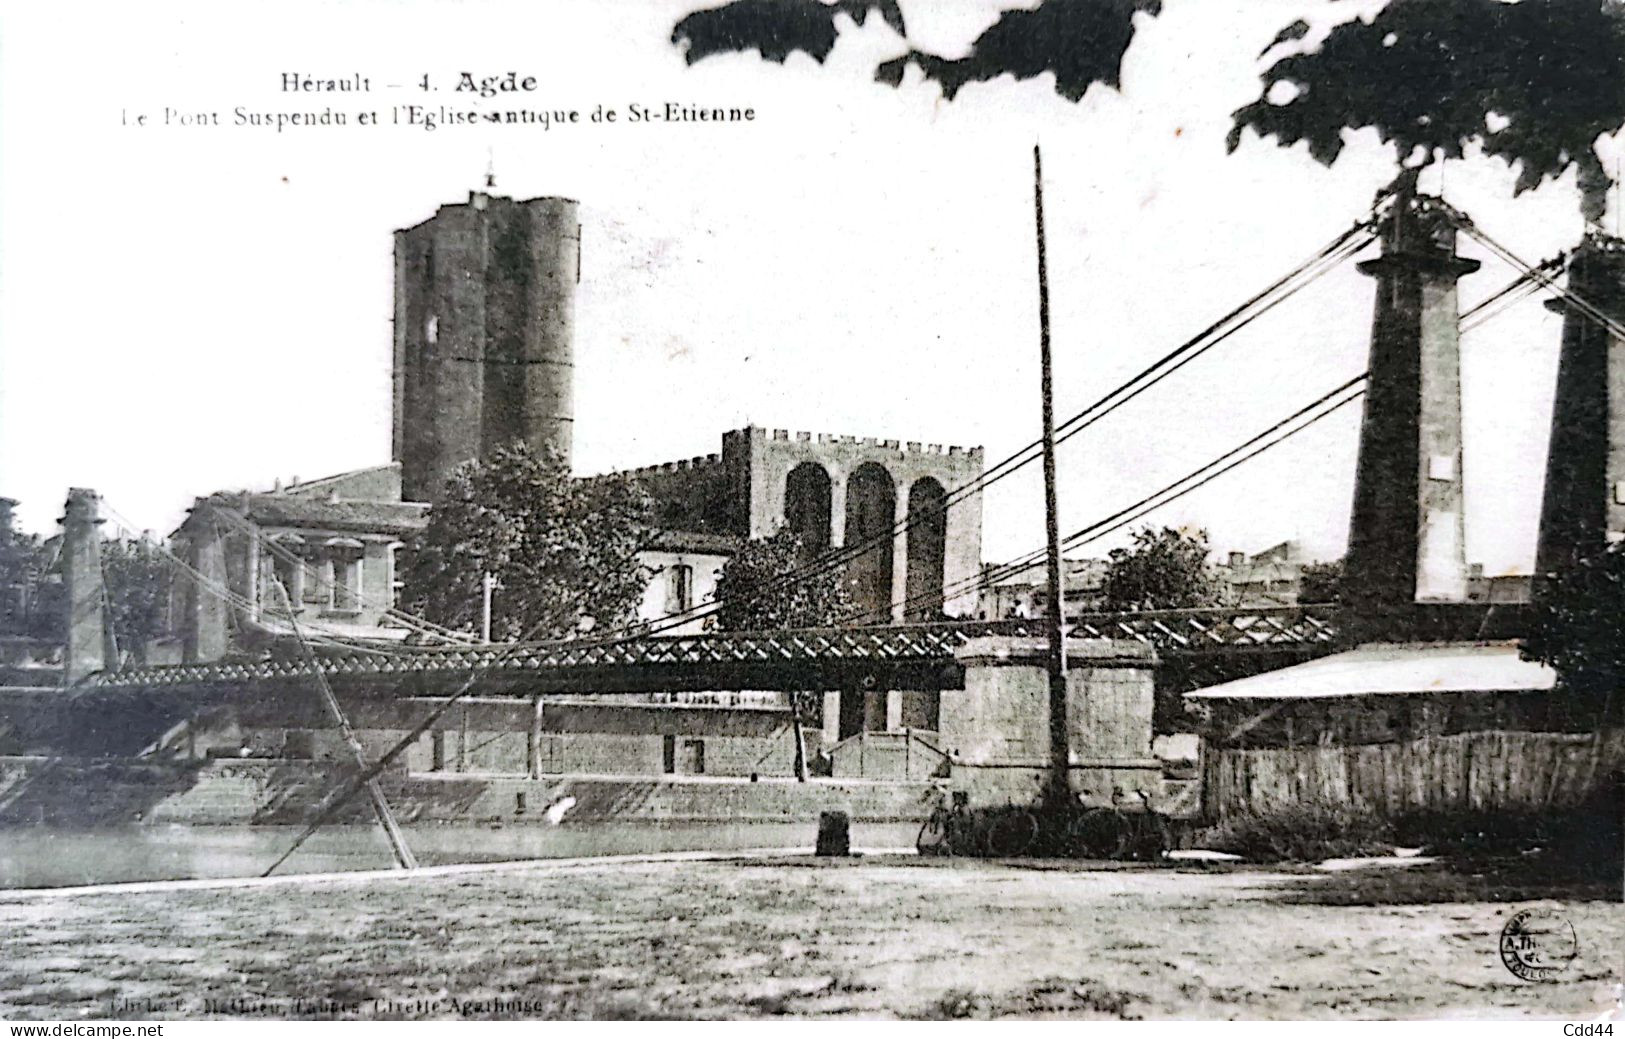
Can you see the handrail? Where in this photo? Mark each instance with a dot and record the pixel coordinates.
(1176, 632)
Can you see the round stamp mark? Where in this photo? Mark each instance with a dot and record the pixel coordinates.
(1538, 944)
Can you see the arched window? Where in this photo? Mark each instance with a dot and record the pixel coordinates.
(927, 546)
(871, 515)
(806, 505)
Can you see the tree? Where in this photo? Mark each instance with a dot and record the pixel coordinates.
(755, 594)
(561, 549)
(1535, 83)
(138, 583)
(1321, 582)
(22, 567)
(33, 601)
(1165, 570)
(1577, 627)
(1081, 41)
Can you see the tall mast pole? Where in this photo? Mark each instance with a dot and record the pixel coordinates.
(1060, 786)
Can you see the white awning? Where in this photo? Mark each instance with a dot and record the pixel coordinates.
(1388, 669)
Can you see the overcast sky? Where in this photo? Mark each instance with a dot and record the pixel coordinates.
(189, 309)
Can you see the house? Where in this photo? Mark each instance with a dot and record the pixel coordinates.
(1273, 577)
(683, 568)
(1025, 593)
(326, 548)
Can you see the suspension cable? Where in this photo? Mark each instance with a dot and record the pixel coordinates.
(229, 597)
(420, 625)
(1345, 245)
(382, 812)
(1507, 296)
(1465, 224)
(1251, 448)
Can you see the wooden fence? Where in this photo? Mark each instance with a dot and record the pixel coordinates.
(1479, 770)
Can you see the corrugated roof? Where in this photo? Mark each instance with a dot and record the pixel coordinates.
(1388, 669)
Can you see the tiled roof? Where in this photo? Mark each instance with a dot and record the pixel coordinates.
(381, 517)
(374, 483)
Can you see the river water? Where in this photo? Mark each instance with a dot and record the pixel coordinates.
(33, 857)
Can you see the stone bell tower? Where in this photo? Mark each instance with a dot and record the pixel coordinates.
(484, 334)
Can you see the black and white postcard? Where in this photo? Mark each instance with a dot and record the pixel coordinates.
(828, 509)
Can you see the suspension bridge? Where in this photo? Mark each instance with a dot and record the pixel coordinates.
(903, 656)
(643, 657)
(1405, 569)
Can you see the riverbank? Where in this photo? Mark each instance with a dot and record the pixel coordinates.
(46, 857)
(261, 791)
(866, 937)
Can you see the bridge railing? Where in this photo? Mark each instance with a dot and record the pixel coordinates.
(1176, 632)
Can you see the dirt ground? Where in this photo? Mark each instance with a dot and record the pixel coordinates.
(870, 937)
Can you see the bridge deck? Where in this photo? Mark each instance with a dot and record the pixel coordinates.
(910, 656)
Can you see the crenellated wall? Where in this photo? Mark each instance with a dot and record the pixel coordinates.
(743, 491)
(693, 494)
(766, 458)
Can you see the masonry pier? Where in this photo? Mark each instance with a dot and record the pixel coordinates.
(1407, 539)
(1583, 508)
(996, 732)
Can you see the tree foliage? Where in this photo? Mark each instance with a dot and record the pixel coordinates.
(753, 595)
(561, 549)
(1577, 627)
(136, 578)
(1082, 42)
(1321, 582)
(138, 581)
(1535, 83)
(775, 28)
(23, 563)
(1164, 570)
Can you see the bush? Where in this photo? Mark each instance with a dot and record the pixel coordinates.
(1583, 840)
(1586, 839)
(1301, 833)
(1473, 832)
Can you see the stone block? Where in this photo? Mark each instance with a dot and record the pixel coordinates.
(997, 730)
(834, 833)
